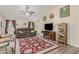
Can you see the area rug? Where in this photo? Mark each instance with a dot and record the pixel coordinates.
(35, 45)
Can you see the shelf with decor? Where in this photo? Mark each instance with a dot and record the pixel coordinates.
(62, 33)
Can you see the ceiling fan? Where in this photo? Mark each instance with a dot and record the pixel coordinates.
(27, 11)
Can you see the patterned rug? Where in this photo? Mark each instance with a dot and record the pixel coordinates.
(32, 45)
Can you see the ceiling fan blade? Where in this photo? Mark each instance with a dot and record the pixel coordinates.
(32, 12)
(27, 10)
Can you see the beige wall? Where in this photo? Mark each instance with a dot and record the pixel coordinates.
(39, 26)
(72, 21)
(21, 23)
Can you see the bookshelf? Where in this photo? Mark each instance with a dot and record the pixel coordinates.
(62, 33)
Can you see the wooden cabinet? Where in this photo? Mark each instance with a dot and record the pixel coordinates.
(62, 33)
(49, 35)
(53, 36)
(46, 34)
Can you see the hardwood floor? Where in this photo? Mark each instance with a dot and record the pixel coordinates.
(61, 50)
(68, 49)
(65, 50)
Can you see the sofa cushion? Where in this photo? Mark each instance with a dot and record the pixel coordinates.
(32, 31)
(20, 31)
(25, 32)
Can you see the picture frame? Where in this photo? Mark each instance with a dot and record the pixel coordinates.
(65, 11)
(51, 16)
(44, 18)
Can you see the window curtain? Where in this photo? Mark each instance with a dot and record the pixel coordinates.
(7, 22)
(31, 25)
(14, 25)
(10, 28)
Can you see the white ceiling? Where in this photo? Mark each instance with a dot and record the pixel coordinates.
(14, 11)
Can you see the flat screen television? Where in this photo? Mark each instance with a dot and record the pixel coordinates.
(48, 26)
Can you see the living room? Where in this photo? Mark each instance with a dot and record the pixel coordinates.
(36, 22)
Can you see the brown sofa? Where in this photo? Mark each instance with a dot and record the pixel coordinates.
(25, 32)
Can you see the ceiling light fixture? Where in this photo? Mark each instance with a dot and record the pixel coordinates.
(27, 11)
(26, 14)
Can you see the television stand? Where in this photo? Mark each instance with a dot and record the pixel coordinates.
(49, 35)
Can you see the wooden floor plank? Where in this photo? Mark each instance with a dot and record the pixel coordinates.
(65, 50)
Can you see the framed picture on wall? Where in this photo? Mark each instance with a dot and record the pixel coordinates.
(65, 11)
(44, 18)
(51, 16)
